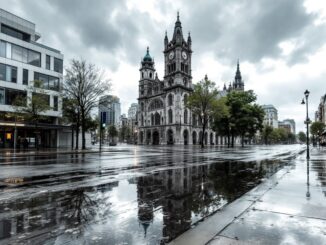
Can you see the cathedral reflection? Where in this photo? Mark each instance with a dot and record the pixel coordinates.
(188, 193)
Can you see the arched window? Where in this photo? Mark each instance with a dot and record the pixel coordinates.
(170, 99)
(142, 120)
(194, 122)
(152, 119)
(142, 74)
(150, 75)
(170, 116)
(185, 116)
(157, 118)
(142, 106)
(185, 99)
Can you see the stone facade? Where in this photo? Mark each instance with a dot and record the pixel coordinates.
(162, 115)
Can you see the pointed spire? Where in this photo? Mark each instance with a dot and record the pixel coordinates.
(238, 77)
(177, 34)
(189, 38)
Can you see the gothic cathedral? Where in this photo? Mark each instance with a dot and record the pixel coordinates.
(163, 117)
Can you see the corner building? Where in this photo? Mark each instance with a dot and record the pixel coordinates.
(23, 60)
(162, 116)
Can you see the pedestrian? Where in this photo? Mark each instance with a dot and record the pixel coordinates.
(25, 144)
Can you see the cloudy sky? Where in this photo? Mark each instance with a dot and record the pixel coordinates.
(280, 43)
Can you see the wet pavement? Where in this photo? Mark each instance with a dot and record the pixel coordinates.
(139, 195)
(289, 208)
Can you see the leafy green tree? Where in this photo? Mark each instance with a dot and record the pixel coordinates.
(201, 103)
(113, 132)
(221, 116)
(124, 132)
(316, 129)
(245, 116)
(85, 84)
(33, 108)
(266, 134)
(302, 137)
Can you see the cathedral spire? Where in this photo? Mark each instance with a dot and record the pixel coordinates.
(177, 34)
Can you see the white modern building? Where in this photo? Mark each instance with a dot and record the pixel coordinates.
(271, 116)
(22, 61)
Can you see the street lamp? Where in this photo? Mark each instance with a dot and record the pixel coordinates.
(306, 93)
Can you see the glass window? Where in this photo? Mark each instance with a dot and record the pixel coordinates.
(53, 83)
(2, 72)
(17, 53)
(8, 50)
(58, 65)
(2, 96)
(55, 103)
(34, 58)
(48, 62)
(12, 94)
(25, 76)
(15, 33)
(47, 82)
(13, 74)
(3, 49)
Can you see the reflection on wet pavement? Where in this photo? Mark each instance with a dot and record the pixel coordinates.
(131, 195)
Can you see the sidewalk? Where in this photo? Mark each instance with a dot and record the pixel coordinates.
(288, 208)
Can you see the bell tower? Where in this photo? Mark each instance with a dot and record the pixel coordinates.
(177, 58)
(147, 75)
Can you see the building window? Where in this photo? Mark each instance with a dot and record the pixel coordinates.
(25, 76)
(15, 33)
(2, 96)
(170, 100)
(48, 62)
(8, 73)
(55, 103)
(185, 116)
(58, 65)
(24, 55)
(170, 116)
(3, 49)
(11, 95)
(47, 82)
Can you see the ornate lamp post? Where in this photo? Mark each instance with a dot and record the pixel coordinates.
(307, 122)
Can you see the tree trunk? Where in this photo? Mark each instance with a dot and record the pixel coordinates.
(36, 138)
(242, 141)
(232, 139)
(83, 130)
(203, 136)
(72, 137)
(228, 139)
(77, 135)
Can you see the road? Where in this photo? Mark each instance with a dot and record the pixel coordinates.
(128, 194)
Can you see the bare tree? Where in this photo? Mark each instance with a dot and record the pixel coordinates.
(85, 83)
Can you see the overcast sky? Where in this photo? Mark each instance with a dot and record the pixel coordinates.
(280, 43)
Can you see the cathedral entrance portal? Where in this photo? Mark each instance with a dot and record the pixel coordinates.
(169, 137)
(194, 138)
(148, 138)
(156, 138)
(185, 137)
